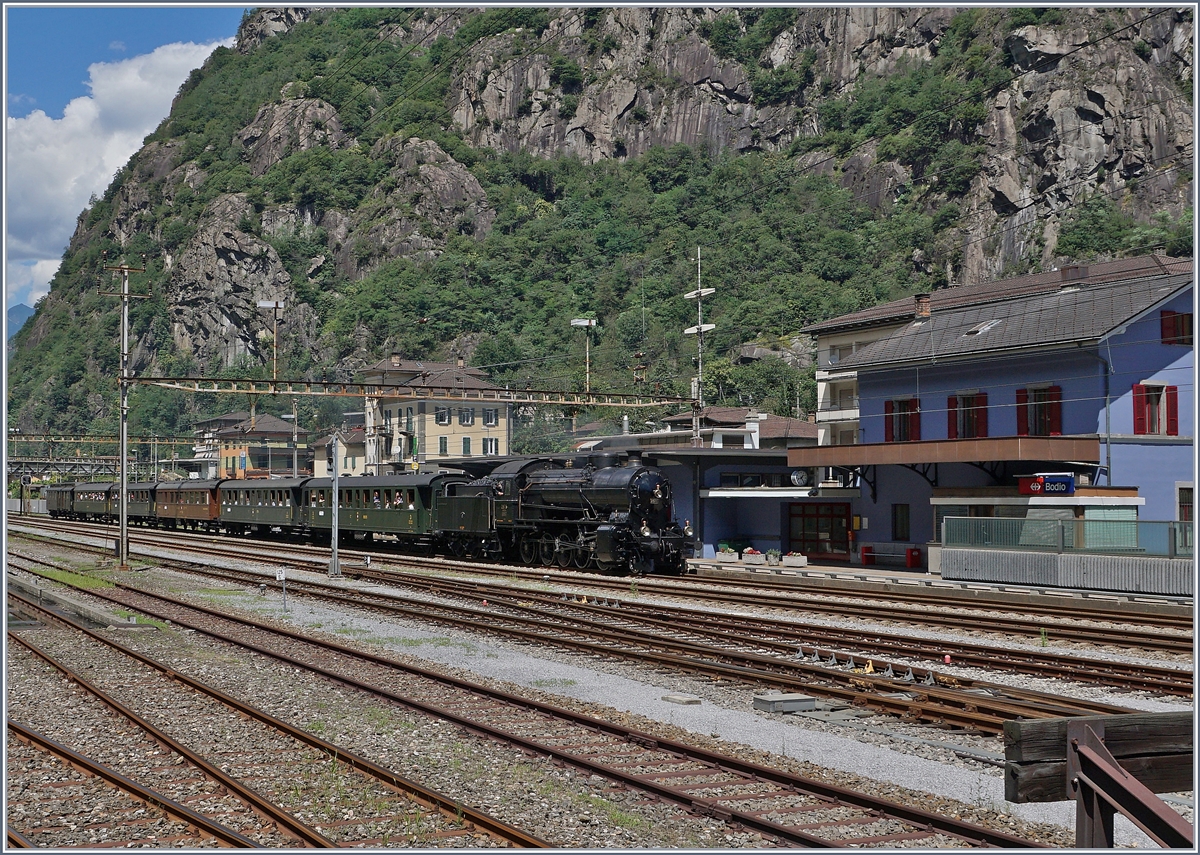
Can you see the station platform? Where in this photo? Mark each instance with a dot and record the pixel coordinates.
(852, 579)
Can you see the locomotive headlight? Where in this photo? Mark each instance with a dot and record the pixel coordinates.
(658, 491)
(645, 529)
(687, 530)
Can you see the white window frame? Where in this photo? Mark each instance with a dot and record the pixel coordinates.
(441, 415)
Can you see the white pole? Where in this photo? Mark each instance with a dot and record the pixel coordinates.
(123, 562)
(335, 569)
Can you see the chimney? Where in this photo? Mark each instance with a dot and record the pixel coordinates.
(1073, 272)
(921, 307)
(395, 360)
(460, 362)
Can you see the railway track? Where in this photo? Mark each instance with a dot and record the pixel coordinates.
(948, 701)
(393, 810)
(1073, 623)
(49, 812)
(785, 809)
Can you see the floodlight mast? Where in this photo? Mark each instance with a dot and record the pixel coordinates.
(700, 328)
(275, 306)
(587, 324)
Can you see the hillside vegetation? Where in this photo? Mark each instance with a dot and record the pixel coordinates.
(783, 239)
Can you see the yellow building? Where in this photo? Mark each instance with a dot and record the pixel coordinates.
(262, 446)
(430, 411)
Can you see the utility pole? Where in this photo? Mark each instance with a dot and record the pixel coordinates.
(335, 569)
(587, 324)
(698, 330)
(123, 383)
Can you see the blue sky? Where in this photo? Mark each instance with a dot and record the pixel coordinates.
(84, 86)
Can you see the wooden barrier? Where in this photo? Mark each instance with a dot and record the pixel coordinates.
(1156, 748)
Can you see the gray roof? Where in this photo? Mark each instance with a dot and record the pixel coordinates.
(960, 296)
(1066, 316)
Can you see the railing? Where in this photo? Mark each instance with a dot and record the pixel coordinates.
(1163, 539)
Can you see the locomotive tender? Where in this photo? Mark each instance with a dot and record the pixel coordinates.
(586, 511)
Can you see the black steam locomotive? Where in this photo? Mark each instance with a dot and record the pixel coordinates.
(590, 513)
(585, 511)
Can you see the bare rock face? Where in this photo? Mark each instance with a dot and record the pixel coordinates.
(295, 124)
(217, 283)
(431, 196)
(264, 23)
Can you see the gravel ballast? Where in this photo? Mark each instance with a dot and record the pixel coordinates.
(896, 756)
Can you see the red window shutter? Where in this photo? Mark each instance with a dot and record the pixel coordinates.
(1172, 396)
(1022, 412)
(952, 417)
(981, 415)
(1054, 408)
(1139, 408)
(914, 421)
(888, 409)
(1170, 331)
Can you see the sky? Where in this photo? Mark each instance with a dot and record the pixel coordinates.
(84, 85)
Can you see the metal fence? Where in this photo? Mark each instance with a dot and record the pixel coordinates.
(1161, 539)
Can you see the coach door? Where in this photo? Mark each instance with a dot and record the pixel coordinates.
(820, 531)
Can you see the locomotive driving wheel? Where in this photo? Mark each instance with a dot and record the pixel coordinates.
(528, 549)
(546, 551)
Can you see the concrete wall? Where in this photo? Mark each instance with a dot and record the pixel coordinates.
(1126, 574)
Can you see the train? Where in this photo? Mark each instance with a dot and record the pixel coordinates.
(600, 511)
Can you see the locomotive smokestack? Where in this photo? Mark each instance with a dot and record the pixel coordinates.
(624, 424)
(634, 459)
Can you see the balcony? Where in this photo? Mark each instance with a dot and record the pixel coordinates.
(845, 410)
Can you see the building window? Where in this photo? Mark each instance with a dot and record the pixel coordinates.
(408, 420)
(466, 446)
(1155, 410)
(966, 416)
(902, 420)
(491, 446)
(491, 417)
(443, 445)
(466, 416)
(1176, 327)
(441, 415)
(1039, 411)
(900, 522)
(1185, 504)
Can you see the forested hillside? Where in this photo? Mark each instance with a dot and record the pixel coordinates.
(448, 183)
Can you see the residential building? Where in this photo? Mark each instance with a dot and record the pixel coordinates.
(260, 446)
(430, 411)
(840, 338)
(1089, 381)
(720, 427)
(351, 450)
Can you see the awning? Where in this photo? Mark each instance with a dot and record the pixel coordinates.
(1058, 449)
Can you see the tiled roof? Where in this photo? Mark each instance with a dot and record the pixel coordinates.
(420, 366)
(771, 427)
(1006, 289)
(1067, 315)
(778, 427)
(262, 424)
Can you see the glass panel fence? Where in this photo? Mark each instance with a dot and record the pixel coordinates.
(1162, 539)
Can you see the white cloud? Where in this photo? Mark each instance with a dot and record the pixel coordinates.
(27, 281)
(53, 166)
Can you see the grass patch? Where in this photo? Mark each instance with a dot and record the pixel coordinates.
(439, 641)
(554, 683)
(75, 580)
(142, 620)
(616, 815)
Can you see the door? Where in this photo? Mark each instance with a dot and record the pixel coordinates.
(820, 530)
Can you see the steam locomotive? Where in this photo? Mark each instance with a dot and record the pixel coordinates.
(590, 511)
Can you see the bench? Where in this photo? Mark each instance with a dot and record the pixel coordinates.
(889, 553)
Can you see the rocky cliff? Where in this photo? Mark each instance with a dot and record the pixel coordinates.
(320, 180)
